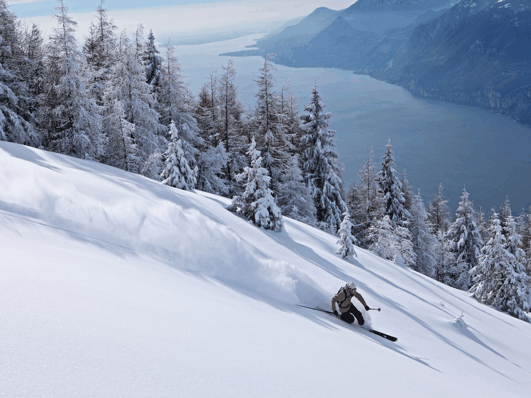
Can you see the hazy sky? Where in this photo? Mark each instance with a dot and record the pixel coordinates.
(177, 17)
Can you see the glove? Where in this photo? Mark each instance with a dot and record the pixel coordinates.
(335, 313)
(367, 308)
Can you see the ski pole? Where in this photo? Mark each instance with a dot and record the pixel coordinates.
(375, 309)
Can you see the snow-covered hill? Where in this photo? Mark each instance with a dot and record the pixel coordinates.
(113, 285)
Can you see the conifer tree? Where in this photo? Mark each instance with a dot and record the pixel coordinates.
(364, 201)
(295, 200)
(384, 241)
(210, 165)
(321, 168)
(32, 73)
(99, 50)
(152, 61)
(257, 203)
(69, 116)
(177, 172)
(499, 279)
(17, 123)
(268, 125)
(391, 188)
(465, 245)
(121, 148)
(424, 243)
(438, 211)
(346, 240)
(230, 119)
(128, 85)
(406, 191)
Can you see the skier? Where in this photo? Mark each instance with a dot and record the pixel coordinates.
(347, 309)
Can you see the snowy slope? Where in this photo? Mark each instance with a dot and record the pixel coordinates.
(116, 286)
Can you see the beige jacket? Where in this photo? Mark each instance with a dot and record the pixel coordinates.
(343, 299)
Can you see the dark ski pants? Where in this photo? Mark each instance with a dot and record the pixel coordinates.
(350, 314)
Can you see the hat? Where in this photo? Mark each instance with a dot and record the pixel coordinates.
(351, 285)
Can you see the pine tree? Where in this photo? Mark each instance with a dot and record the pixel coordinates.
(15, 102)
(384, 240)
(257, 203)
(99, 50)
(465, 245)
(438, 211)
(128, 84)
(321, 168)
(230, 118)
(295, 200)
(69, 116)
(207, 111)
(364, 201)
(499, 279)
(346, 240)
(121, 147)
(32, 73)
(210, 166)
(152, 61)
(269, 132)
(289, 110)
(424, 243)
(406, 191)
(177, 172)
(391, 188)
(176, 104)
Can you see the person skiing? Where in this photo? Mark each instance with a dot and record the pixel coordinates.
(348, 310)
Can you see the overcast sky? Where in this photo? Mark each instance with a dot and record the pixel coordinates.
(177, 17)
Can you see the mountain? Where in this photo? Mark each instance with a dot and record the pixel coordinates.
(479, 52)
(116, 285)
(475, 52)
(397, 5)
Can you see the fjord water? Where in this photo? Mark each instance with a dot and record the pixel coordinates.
(434, 141)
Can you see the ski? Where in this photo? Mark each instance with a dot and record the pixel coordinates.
(384, 335)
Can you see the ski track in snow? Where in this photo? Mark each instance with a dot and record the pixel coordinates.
(115, 285)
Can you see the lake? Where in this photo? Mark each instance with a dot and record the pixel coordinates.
(434, 141)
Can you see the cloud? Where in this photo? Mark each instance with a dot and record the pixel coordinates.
(192, 19)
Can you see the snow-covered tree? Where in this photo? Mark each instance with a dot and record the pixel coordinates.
(99, 50)
(499, 279)
(69, 116)
(207, 111)
(16, 105)
(176, 104)
(121, 148)
(33, 70)
(424, 243)
(152, 61)
(438, 211)
(295, 199)
(465, 245)
(384, 241)
(289, 110)
(177, 172)
(346, 240)
(268, 125)
(210, 167)
(257, 203)
(407, 191)
(128, 84)
(230, 119)
(391, 188)
(363, 200)
(321, 168)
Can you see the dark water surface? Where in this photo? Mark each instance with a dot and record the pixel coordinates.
(434, 141)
